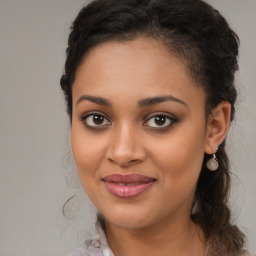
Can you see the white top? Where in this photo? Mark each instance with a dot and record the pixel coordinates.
(97, 246)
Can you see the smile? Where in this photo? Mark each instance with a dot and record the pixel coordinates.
(128, 186)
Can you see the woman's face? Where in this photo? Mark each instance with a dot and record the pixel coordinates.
(138, 132)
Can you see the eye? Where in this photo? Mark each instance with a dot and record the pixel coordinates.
(95, 120)
(160, 121)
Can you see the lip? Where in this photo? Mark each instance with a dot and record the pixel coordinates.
(127, 186)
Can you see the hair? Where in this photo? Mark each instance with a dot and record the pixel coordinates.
(199, 35)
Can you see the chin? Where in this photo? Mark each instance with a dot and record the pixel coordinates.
(128, 223)
(129, 219)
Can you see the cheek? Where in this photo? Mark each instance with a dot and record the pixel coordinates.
(181, 169)
(180, 157)
(87, 153)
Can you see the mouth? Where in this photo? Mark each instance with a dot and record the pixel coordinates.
(128, 186)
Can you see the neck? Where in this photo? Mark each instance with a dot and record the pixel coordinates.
(183, 238)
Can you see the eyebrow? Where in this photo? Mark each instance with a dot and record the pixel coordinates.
(159, 99)
(142, 103)
(95, 99)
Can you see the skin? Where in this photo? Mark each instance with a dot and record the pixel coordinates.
(130, 141)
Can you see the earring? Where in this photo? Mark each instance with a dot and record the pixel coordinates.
(212, 164)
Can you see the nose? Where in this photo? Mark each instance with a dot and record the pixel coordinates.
(125, 148)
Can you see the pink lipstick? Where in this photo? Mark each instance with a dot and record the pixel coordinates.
(128, 186)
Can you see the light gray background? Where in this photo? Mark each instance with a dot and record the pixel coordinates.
(35, 155)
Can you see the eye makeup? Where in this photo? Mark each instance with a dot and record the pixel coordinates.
(158, 121)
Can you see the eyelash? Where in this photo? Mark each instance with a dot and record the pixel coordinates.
(167, 117)
(172, 120)
(83, 118)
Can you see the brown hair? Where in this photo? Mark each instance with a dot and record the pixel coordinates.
(198, 34)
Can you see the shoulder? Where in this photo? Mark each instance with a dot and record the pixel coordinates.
(79, 252)
(97, 246)
(92, 247)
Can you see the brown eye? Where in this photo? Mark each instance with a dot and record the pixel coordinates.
(160, 121)
(95, 120)
(98, 120)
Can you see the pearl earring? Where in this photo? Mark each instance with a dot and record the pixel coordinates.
(212, 164)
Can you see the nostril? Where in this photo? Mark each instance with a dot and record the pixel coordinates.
(124, 153)
(130, 163)
(124, 164)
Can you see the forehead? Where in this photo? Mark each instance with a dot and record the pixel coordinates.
(132, 69)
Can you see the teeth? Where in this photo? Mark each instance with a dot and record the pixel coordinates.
(128, 184)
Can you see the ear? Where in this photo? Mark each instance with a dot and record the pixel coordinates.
(217, 127)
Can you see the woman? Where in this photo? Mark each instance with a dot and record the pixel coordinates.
(149, 87)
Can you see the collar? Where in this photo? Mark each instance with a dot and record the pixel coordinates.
(98, 245)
